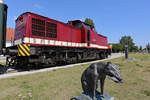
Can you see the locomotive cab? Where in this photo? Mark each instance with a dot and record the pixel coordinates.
(86, 30)
(76, 24)
(20, 29)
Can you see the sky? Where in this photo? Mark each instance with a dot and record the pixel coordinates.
(112, 18)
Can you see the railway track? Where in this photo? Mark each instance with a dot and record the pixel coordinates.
(17, 72)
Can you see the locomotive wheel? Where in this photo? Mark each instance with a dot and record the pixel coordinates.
(97, 56)
(106, 54)
(102, 55)
(22, 62)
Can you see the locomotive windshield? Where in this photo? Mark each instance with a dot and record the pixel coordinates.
(89, 27)
(78, 25)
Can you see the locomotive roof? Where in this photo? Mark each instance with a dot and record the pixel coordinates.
(57, 20)
(47, 18)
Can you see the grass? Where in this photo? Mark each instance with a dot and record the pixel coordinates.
(63, 84)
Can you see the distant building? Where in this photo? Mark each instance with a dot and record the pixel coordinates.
(9, 37)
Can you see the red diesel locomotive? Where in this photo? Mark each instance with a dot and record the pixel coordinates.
(41, 40)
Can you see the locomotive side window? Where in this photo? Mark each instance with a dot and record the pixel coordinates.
(78, 25)
(51, 30)
(87, 26)
(38, 27)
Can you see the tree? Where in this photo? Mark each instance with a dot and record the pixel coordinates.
(117, 47)
(140, 49)
(135, 49)
(89, 21)
(128, 40)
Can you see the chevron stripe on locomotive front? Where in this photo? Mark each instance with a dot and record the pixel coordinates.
(23, 50)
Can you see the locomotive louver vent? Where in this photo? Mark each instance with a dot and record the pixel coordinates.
(51, 30)
(38, 27)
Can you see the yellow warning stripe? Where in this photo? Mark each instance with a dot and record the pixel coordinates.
(24, 50)
(21, 52)
(26, 47)
(18, 51)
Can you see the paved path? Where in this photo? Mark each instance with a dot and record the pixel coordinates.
(7, 75)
